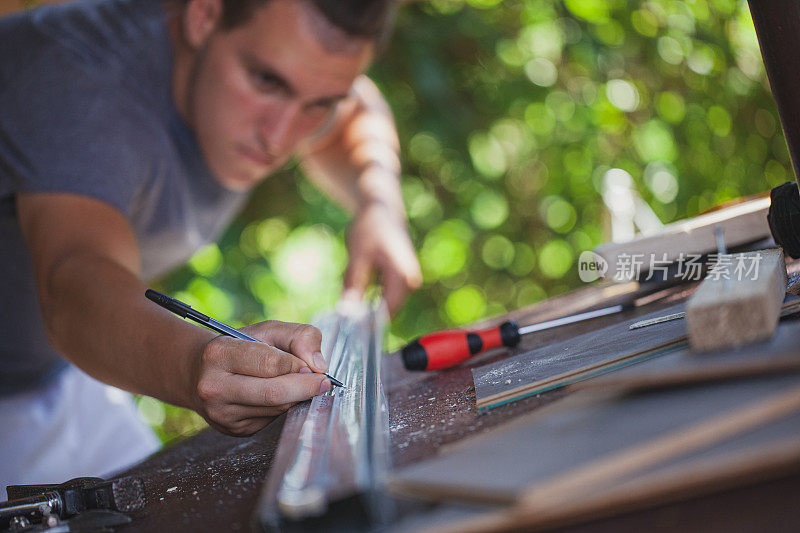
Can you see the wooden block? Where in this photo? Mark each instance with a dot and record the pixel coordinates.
(741, 224)
(736, 304)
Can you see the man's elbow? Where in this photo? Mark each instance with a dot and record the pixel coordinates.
(57, 306)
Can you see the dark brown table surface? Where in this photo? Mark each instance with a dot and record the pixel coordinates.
(211, 482)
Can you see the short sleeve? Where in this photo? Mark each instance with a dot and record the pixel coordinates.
(63, 131)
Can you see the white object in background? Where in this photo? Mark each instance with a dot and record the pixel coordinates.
(72, 426)
(627, 209)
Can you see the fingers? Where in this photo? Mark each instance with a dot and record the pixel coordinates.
(240, 385)
(278, 391)
(358, 274)
(405, 258)
(400, 274)
(395, 289)
(245, 412)
(301, 340)
(256, 359)
(243, 427)
(381, 243)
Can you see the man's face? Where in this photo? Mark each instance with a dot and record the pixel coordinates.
(256, 91)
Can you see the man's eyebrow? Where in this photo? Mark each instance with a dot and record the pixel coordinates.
(266, 73)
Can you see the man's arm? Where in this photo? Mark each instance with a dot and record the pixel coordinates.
(86, 264)
(356, 163)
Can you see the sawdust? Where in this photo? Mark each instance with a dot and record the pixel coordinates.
(496, 373)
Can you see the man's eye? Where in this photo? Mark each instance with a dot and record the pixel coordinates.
(321, 109)
(266, 83)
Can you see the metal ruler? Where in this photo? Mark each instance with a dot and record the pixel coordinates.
(334, 446)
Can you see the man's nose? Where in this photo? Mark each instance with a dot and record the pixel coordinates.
(277, 126)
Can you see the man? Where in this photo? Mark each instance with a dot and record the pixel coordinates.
(130, 132)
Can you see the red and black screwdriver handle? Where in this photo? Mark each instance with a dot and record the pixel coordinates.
(444, 349)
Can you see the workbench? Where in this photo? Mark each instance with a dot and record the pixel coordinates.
(211, 482)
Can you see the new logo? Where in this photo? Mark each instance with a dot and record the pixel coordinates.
(591, 266)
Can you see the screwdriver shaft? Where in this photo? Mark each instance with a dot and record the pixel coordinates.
(570, 319)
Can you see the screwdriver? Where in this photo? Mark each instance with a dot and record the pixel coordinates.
(444, 349)
(185, 310)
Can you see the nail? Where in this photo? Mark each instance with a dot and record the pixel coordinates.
(325, 386)
(319, 362)
(304, 370)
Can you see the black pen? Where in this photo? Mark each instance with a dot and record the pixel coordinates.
(185, 310)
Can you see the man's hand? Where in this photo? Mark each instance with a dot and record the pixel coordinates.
(378, 241)
(355, 161)
(239, 386)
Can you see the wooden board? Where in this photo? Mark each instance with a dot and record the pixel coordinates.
(733, 470)
(575, 359)
(682, 367)
(738, 302)
(587, 356)
(741, 223)
(591, 444)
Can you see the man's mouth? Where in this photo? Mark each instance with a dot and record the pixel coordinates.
(256, 156)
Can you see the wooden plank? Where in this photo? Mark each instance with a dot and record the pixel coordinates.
(595, 476)
(681, 367)
(577, 430)
(584, 372)
(739, 301)
(691, 480)
(680, 377)
(556, 450)
(587, 356)
(575, 359)
(741, 224)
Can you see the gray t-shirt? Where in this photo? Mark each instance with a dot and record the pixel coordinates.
(86, 108)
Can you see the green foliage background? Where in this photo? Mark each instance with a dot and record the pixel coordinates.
(509, 114)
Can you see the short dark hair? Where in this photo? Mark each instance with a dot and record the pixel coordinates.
(367, 19)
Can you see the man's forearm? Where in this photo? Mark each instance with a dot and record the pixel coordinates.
(97, 316)
(86, 264)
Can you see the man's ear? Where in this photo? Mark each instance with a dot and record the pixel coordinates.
(200, 17)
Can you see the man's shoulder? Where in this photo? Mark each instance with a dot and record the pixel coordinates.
(80, 133)
(85, 91)
(63, 107)
(86, 68)
(85, 50)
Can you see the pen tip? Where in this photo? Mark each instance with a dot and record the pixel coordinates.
(335, 381)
